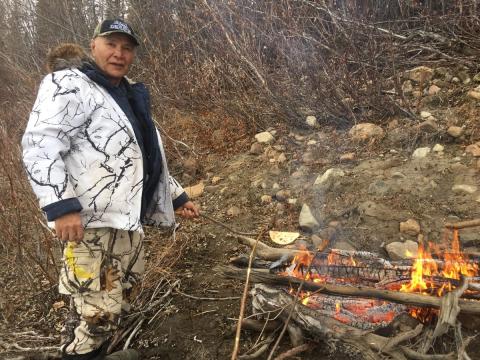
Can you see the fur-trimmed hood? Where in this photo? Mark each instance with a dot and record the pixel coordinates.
(65, 56)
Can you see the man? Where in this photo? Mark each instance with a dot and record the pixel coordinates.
(97, 166)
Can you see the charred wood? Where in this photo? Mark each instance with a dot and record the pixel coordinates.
(470, 307)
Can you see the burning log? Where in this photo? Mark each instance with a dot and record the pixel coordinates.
(267, 299)
(412, 299)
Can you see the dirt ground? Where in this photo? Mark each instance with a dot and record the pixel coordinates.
(381, 185)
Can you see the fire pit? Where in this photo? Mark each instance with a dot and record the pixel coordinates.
(355, 296)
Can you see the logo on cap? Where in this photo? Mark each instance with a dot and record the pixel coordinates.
(118, 25)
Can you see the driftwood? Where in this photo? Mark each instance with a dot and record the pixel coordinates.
(258, 276)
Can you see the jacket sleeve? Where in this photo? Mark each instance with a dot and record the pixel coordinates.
(179, 196)
(56, 117)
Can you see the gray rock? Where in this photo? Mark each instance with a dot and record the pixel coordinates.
(425, 114)
(264, 137)
(438, 148)
(256, 149)
(455, 131)
(306, 219)
(410, 227)
(329, 175)
(473, 149)
(421, 153)
(311, 121)
(428, 126)
(282, 195)
(474, 94)
(366, 131)
(266, 199)
(399, 251)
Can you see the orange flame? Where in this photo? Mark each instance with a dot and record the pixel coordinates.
(455, 265)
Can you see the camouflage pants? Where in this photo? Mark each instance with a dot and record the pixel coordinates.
(102, 274)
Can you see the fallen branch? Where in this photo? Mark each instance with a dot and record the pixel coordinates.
(261, 350)
(207, 298)
(414, 355)
(393, 342)
(293, 352)
(236, 346)
(463, 224)
(468, 307)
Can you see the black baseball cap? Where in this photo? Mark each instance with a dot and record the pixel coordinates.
(107, 27)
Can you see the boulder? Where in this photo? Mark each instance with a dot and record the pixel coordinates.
(366, 131)
(410, 227)
(402, 251)
(306, 219)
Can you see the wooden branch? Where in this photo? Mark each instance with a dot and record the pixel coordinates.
(412, 354)
(293, 352)
(393, 342)
(267, 252)
(468, 307)
(257, 325)
(463, 224)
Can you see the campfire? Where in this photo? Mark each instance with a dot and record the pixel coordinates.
(386, 309)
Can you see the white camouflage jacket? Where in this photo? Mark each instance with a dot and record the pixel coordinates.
(79, 144)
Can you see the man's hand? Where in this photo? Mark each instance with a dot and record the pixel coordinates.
(188, 210)
(69, 227)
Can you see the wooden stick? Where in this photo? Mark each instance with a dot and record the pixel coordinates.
(236, 346)
(463, 224)
(266, 252)
(293, 352)
(466, 306)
